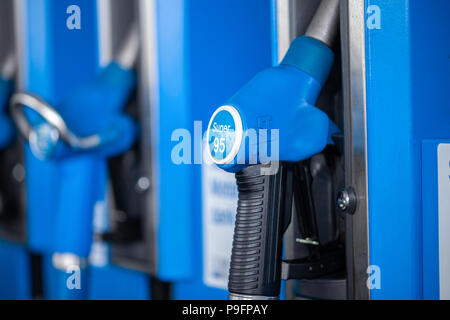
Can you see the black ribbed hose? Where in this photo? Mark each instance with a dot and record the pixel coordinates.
(257, 244)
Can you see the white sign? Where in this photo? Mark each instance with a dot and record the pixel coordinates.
(219, 210)
(99, 250)
(444, 219)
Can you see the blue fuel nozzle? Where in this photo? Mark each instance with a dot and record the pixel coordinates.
(274, 113)
(92, 118)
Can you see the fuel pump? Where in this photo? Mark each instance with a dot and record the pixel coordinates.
(80, 140)
(275, 111)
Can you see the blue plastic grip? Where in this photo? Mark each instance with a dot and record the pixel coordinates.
(310, 56)
(95, 109)
(74, 216)
(277, 112)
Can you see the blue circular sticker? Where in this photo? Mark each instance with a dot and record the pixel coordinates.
(224, 134)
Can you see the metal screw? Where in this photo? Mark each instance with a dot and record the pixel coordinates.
(143, 184)
(343, 200)
(346, 200)
(18, 173)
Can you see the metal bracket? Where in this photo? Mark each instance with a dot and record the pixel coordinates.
(309, 269)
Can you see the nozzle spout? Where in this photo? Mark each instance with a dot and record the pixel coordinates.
(8, 67)
(325, 23)
(128, 53)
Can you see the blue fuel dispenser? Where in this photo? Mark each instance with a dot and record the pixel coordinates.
(336, 159)
(71, 117)
(278, 105)
(202, 51)
(51, 138)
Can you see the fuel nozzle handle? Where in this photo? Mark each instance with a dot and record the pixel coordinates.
(257, 243)
(59, 131)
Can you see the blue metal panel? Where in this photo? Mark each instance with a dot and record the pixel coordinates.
(430, 28)
(51, 64)
(394, 200)
(15, 272)
(406, 66)
(430, 66)
(36, 77)
(175, 233)
(207, 50)
(115, 283)
(229, 42)
(55, 61)
(55, 282)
